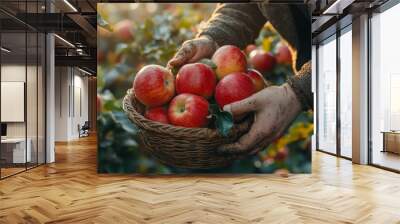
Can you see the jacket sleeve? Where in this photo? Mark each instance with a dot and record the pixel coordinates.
(301, 85)
(234, 23)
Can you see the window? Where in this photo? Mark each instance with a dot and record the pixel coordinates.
(327, 95)
(346, 92)
(385, 89)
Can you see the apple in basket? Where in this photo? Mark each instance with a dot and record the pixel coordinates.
(196, 78)
(261, 60)
(234, 87)
(257, 78)
(229, 59)
(154, 85)
(188, 110)
(159, 114)
(283, 54)
(250, 48)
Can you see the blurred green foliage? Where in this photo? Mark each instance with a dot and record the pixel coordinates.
(158, 31)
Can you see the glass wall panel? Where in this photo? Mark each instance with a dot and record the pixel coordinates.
(14, 153)
(22, 88)
(41, 98)
(32, 86)
(41, 89)
(346, 93)
(385, 89)
(32, 97)
(327, 96)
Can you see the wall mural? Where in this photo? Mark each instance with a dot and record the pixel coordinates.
(204, 88)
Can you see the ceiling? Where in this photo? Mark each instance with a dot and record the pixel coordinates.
(72, 20)
(75, 21)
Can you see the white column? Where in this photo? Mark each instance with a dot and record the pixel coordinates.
(360, 90)
(50, 92)
(50, 108)
(314, 90)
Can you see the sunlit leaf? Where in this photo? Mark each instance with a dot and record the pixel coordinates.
(103, 23)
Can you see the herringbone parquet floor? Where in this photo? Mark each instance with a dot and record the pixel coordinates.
(70, 191)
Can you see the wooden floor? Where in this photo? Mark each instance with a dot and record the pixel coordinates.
(70, 191)
(387, 159)
(5, 172)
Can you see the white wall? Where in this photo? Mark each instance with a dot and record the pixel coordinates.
(71, 94)
(33, 127)
(16, 73)
(61, 103)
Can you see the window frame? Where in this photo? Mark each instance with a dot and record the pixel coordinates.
(339, 32)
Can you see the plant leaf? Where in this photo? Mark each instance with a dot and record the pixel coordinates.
(101, 22)
(224, 123)
(121, 48)
(175, 70)
(223, 120)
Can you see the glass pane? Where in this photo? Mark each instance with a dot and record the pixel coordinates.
(346, 94)
(31, 98)
(32, 87)
(327, 96)
(41, 98)
(13, 86)
(385, 84)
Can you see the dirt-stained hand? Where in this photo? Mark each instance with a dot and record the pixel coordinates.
(275, 108)
(193, 50)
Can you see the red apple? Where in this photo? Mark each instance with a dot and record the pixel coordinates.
(281, 154)
(197, 78)
(229, 59)
(159, 114)
(283, 55)
(124, 30)
(250, 48)
(262, 61)
(234, 87)
(154, 85)
(257, 79)
(188, 110)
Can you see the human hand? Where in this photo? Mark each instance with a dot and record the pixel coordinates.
(275, 108)
(193, 50)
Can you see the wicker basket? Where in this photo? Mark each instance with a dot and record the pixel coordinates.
(193, 148)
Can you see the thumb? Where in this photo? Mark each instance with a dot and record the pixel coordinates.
(243, 106)
(184, 54)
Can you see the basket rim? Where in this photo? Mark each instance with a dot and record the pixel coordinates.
(166, 129)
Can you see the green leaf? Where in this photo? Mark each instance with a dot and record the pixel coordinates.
(175, 70)
(121, 48)
(208, 62)
(223, 120)
(101, 22)
(224, 123)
